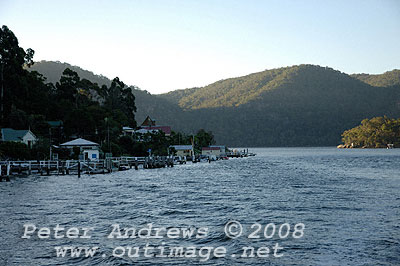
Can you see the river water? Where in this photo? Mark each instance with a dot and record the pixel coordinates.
(347, 200)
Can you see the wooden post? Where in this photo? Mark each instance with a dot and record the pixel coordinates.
(109, 165)
(8, 168)
(2, 173)
(79, 168)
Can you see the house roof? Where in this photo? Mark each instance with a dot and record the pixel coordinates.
(181, 147)
(79, 142)
(9, 134)
(149, 122)
(55, 123)
(165, 129)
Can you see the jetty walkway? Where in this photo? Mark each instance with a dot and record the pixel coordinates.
(78, 167)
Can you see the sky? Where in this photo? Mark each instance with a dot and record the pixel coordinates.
(164, 45)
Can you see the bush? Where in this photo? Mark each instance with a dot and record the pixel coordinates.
(10, 150)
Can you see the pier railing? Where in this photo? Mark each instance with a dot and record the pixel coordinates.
(100, 166)
(62, 167)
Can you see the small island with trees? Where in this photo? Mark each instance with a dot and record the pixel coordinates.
(378, 132)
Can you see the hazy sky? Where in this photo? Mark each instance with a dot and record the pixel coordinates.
(167, 45)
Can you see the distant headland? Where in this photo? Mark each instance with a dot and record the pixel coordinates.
(378, 132)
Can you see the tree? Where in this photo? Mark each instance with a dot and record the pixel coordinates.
(12, 60)
(203, 139)
(67, 87)
(118, 96)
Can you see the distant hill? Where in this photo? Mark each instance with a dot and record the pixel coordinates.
(229, 92)
(303, 105)
(52, 70)
(387, 79)
(304, 81)
(295, 106)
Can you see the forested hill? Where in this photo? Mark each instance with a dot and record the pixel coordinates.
(294, 106)
(52, 70)
(303, 105)
(307, 80)
(387, 79)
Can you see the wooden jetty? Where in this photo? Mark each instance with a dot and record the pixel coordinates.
(78, 167)
(239, 153)
(102, 166)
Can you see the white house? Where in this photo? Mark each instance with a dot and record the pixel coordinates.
(183, 150)
(217, 151)
(89, 149)
(22, 136)
(128, 131)
(211, 151)
(139, 134)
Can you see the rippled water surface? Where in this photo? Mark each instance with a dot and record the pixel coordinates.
(348, 200)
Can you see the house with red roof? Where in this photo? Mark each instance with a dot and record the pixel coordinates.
(148, 126)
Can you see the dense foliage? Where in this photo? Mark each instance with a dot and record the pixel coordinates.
(374, 133)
